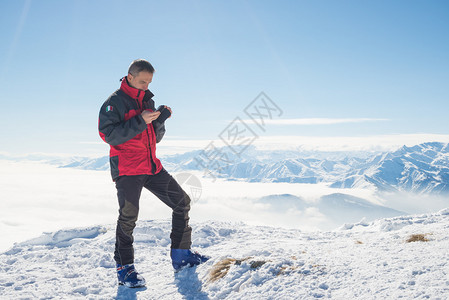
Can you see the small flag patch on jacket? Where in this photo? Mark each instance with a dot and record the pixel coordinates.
(109, 108)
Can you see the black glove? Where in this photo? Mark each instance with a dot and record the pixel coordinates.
(165, 113)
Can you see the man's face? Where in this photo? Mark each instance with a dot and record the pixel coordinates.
(141, 80)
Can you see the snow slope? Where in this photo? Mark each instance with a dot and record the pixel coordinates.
(364, 261)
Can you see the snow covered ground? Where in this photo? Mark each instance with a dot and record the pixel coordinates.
(363, 261)
(273, 241)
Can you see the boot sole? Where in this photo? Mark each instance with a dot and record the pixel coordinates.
(132, 287)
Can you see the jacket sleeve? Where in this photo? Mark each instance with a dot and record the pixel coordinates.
(112, 127)
(159, 130)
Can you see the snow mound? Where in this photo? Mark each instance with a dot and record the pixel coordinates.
(396, 223)
(65, 238)
(363, 260)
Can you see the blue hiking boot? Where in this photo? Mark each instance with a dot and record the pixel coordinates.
(186, 258)
(128, 276)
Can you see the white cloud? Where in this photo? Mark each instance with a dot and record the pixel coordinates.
(320, 121)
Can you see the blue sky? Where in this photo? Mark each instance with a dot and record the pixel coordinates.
(382, 64)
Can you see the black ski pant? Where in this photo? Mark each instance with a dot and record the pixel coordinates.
(165, 187)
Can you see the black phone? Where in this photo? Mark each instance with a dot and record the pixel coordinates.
(165, 113)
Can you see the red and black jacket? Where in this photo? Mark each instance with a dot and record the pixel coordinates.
(133, 143)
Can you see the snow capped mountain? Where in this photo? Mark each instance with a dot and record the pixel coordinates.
(402, 257)
(100, 164)
(422, 168)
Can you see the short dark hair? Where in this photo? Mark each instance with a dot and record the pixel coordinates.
(140, 65)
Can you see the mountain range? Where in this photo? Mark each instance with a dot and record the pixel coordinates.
(423, 168)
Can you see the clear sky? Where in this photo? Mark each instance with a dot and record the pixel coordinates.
(335, 68)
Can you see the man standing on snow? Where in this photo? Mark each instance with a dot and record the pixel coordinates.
(129, 123)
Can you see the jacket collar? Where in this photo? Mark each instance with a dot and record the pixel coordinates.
(131, 91)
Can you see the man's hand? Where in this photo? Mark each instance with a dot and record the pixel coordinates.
(149, 116)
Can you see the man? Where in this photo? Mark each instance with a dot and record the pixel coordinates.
(129, 123)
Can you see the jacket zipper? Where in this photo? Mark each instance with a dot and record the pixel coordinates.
(153, 165)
